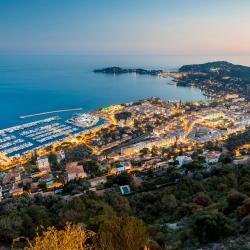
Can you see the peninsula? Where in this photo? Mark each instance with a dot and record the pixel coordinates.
(216, 79)
(118, 70)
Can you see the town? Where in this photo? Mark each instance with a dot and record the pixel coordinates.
(137, 137)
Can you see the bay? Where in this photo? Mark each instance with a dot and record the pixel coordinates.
(38, 83)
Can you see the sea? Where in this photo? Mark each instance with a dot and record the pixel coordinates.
(32, 84)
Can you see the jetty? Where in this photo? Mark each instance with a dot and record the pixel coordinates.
(50, 112)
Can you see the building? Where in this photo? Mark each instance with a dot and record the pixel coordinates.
(236, 128)
(42, 162)
(74, 171)
(212, 157)
(124, 166)
(60, 156)
(153, 142)
(183, 159)
(97, 181)
(16, 191)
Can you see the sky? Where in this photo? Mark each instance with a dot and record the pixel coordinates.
(174, 27)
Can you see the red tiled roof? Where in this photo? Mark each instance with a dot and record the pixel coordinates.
(73, 168)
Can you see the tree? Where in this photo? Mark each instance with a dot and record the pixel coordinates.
(144, 151)
(121, 179)
(123, 233)
(202, 199)
(244, 209)
(71, 237)
(74, 211)
(53, 161)
(234, 199)
(210, 226)
(10, 226)
(77, 153)
(245, 187)
(245, 224)
(154, 151)
(225, 158)
(119, 203)
(90, 166)
(169, 202)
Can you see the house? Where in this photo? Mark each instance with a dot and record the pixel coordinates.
(6, 179)
(16, 191)
(43, 163)
(183, 159)
(123, 166)
(137, 181)
(17, 177)
(11, 177)
(97, 181)
(74, 171)
(236, 128)
(34, 187)
(60, 156)
(27, 180)
(212, 157)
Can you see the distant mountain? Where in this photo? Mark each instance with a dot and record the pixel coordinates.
(118, 70)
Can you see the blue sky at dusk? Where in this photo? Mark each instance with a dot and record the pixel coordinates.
(124, 27)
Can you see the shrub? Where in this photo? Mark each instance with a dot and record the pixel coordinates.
(123, 233)
(244, 209)
(71, 237)
(210, 226)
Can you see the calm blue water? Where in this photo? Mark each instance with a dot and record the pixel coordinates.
(33, 84)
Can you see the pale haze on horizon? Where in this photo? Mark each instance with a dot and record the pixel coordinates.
(218, 27)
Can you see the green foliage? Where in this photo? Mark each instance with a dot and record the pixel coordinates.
(225, 158)
(121, 179)
(77, 153)
(88, 209)
(244, 209)
(90, 166)
(123, 233)
(21, 216)
(144, 151)
(202, 199)
(245, 224)
(210, 225)
(55, 165)
(210, 204)
(234, 199)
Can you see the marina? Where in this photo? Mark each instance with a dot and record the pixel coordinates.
(25, 138)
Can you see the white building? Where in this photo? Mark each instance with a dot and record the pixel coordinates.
(212, 157)
(42, 162)
(183, 159)
(60, 156)
(97, 181)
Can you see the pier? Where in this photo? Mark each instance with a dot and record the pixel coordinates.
(50, 112)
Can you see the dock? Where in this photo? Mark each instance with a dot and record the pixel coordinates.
(50, 112)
